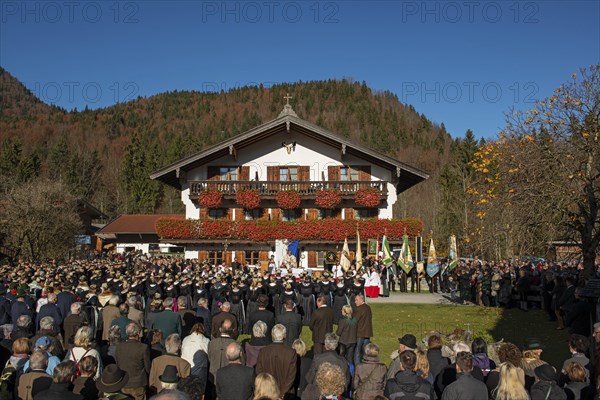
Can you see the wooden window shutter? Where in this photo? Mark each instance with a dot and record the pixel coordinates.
(333, 173)
(263, 255)
(304, 176)
(227, 259)
(263, 214)
(244, 173)
(228, 214)
(273, 176)
(312, 259)
(337, 213)
(203, 213)
(240, 215)
(348, 213)
(212, 173)
(202, 255)
(275, 214)
(240, 255)
(313, 214)
(364, 173)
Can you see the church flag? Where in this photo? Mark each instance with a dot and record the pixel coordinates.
(358, 254)
(372, 247)
(345, 259)
(452, 254)
(293, 247)
(432, 263)
(387, 254)
(405, 260)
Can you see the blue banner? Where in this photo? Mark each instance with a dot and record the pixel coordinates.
(293, 247)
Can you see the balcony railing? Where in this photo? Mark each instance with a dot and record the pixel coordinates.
(269, 189)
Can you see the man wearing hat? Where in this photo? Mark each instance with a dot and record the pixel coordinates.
(19, 307)
(532, 351)
(169, 378)
(112, 380)
(406, 342)
(545, 387)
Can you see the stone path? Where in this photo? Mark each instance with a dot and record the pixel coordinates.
(413, 298)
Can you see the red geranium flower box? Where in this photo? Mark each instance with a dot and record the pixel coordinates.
(288, 199)
(210, 198)
(368, 197)
(329, 198)
(248, 199)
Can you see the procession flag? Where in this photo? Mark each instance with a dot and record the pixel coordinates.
(432, 263)
(345, 259)
(372, 247)
(452, 254)
(405, 260)
(358, 254)
(387, 254)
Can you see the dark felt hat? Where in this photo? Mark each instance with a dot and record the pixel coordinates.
(409, 341)
(545, 372)
(112, 379)
(533, 344)
(169, 375)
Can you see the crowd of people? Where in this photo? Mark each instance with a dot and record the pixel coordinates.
(125, 327)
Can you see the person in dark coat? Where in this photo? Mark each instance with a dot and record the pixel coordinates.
(437, 362)
(302, 366)
(262, 314)
(235, 372)
(20, 307)
(133, 357)
(123, 320)
(406, 382)
(62, 378)
(321, 322)
(203, 314)
(330, 355)
(578, 319)
(565, 302)
(75, 320)
(364, 326)
(85, 384)
(292, 322)
(218, 318)
(279, 360)
(466, 387)
(64, 300)
(545, 387)
(346, 330)
(523, 284)
(167, 321)
(50, 309)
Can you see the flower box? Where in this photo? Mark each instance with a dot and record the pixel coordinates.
(210, 198)
(288, 199)
(329, 198)
(368, 197)
(249, 199)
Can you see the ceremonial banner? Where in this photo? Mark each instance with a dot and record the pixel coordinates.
(405, 260)
(432, 263)
(419, 249)
(452, 254)
(358, 254)
(345, 259)
(387, 254)
(372, 247)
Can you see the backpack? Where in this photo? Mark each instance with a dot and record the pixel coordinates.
(7, 381)
(77, 370)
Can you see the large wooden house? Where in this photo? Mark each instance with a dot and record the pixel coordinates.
(291, 155)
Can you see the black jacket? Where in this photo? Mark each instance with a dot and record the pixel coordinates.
(437, 362)
(293, 325)
(58, 391)
(408, 385)
(235, 381)
(541, 389)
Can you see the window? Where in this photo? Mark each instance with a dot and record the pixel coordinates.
(228, 173)
(321, 258)
(288, 174)
(291, 215)
(215, 257)
(253, 214)
(329, 213)
(364, 213)
(251, 257)
(348, 174)
(217, 213)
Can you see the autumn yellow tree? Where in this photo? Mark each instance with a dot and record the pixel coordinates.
(548, 168)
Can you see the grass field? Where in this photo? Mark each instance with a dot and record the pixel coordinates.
(391, 321)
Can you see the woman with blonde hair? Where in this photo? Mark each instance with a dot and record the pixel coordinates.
(346, 330)
(266, 387)
(370, 374)
(83, 347)
(511, 385)
(578, 387)
(422, 366)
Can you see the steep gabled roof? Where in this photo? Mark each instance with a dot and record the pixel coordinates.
(409, 176)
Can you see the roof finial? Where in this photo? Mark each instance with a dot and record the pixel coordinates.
(287, 108)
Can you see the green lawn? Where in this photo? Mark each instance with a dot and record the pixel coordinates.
(391, 321)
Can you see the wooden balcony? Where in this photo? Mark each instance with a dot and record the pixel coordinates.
(269, 189)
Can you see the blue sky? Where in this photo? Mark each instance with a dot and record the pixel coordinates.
(462, 63)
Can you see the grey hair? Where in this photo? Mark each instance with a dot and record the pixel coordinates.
(52, 298)
(168, 302)
(181, 302)
(202, 302)
(76, 308)
(47, 323)
(133, 329)
(278, 333)
(226, 306)
(114, 300)
(331, 341)
(132, 301)
(173, 343)
(259, 329)
(38, 359)
(233, 351)
(24, 321)
(460, 346)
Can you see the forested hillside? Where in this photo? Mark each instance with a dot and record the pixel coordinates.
(106, 155)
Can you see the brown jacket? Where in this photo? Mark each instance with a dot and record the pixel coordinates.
(160, 363)
(137, 316)
(278, 360)
(25, 384)
(133, 357)
(216, 354)
(369, 379)
(109, 313)
(365, 321)
(321, 322)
